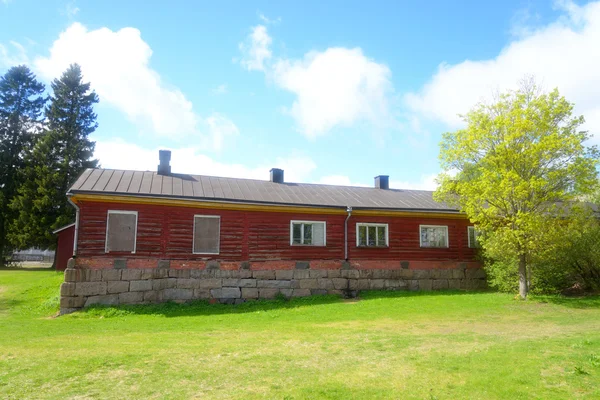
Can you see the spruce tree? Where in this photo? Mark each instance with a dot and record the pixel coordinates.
(59, 157)
(21, 108)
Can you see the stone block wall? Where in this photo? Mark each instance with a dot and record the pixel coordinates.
(121, 281)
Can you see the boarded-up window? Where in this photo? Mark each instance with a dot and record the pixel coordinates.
(121, 231)
(207, 232)
(310, 233)
(434, 236)
(371, 235)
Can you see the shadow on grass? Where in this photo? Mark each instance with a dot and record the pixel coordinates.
(203, 307)
(584, 302)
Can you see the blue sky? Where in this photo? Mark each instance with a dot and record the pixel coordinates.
(333, 93)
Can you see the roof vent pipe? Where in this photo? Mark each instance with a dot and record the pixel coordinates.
(382, 182)
(276, 175)
(164, 156)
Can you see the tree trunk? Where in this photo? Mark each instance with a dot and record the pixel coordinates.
(523, 284)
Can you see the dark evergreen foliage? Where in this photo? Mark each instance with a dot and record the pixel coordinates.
(61, 154)
(21, 116)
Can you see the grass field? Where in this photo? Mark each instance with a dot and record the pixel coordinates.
(385, 345)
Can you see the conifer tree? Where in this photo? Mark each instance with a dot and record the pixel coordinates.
(59, 157)
(21, 108)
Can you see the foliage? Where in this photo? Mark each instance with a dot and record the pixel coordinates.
(570, 264)
(59, 157)
(21, 105)
(502, 275)
(517, 163)
(384, 345)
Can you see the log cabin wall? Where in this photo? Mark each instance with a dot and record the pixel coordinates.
(166, 232)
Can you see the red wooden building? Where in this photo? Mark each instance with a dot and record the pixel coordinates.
(64, 246)
(226, 229)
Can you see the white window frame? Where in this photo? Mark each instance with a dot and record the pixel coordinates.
(194, 234)
(135, 229)
(292, 222)
(475, 234)
(368, 224)
(434, 226)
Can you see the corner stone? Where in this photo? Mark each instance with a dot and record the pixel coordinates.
(106, 300)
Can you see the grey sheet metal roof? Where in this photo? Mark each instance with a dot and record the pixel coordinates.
(210, 188)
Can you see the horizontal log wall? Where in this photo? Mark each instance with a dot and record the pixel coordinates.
(166, 232)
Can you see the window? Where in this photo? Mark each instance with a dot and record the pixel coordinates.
(473, 237)
(121, 231)
(207, 234)
(371, 235)
(434, 236)
(308, 233)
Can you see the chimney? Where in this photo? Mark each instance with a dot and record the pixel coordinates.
(382, 182)
(276, 175)
(164, 168)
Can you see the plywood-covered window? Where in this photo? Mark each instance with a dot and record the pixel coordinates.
(207, 234)
(121, 231)
(309, 233)
(473, 237)
(434, 236)
(371, 235)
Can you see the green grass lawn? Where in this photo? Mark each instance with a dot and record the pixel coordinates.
(385, 345)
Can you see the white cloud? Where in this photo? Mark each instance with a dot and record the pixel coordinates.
(221, 89)
(427, 182)
(268, 20)
(339, 180)
(15, 55)
(220, 130)
(71, 9)
(118, 154)
(336, 87)
(563, 54)
(256, 50)
(117, 65)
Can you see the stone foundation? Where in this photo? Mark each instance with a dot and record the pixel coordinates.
(122, 283)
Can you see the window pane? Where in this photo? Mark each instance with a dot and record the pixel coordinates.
(433, 236)
(440, 237)
(318, 232)
(473, 241)
(297, 233)
(372, 235)
(362, 235)
(307, 234)
(121, 232)
(381, 236)
(206, 234)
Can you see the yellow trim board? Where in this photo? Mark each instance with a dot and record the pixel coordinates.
(103, 198)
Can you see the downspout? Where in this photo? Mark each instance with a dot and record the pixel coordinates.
(349, 211)
(76, 233)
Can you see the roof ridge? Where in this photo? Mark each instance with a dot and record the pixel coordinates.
(391, 189)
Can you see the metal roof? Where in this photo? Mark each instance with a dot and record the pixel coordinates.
(62, 228)
(211, 188)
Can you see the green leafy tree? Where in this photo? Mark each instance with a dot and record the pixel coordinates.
(59, 157)
(21, 108)
(512, 169)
